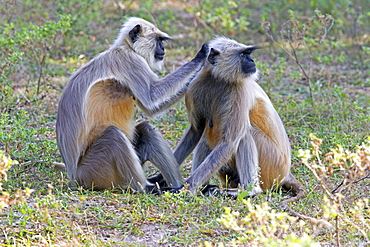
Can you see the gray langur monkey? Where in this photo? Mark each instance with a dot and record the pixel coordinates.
(96, 134)
(234, 128)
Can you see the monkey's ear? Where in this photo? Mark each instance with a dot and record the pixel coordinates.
(134, 33)
(212, 57)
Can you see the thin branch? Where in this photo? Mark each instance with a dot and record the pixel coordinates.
(346, 183)
(295, 58)
(337, 230)
(27, 102)
(40, 74)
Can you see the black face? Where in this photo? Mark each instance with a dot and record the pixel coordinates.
(159, 50)
(212, 57)
(247, 63)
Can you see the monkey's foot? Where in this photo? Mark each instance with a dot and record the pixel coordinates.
(255, 191)
(172, 190)
(152, 189)
(209, 190)
(155, 190)
(214, 190)
(158, 179)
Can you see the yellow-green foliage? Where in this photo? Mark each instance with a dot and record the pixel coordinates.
(355, 166)
(263, 226)
(5, 164)
(5, 198)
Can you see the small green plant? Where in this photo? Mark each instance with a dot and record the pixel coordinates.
(25, 140)
(221, 17)
(30, 44)
(296, 35)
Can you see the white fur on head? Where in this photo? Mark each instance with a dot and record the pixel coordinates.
(146, 44)
(228, 62)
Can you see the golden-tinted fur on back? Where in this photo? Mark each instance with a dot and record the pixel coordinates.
(99, 143)
(109, 103)
(233, 125)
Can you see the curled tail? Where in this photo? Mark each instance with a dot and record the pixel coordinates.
(296, 187)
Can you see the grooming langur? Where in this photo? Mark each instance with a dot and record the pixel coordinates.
(96, 134)
(237, 133)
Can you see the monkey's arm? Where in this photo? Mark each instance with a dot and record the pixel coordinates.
(188, 143)
(167, 103)
(214, 161)
(156, 94)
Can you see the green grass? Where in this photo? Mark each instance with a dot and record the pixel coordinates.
(54, 215)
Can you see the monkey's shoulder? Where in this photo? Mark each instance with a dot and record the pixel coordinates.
(111, 89)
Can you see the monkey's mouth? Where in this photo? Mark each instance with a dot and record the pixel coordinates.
(159, 56)
(250, 70)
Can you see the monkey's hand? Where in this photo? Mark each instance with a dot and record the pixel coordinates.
(158, 179)
(214, 190)
(211, 190)
(202, 53)
(155, 190)
(173, 190)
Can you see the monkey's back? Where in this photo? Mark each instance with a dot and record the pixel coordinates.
(273, 145)
(109, 103)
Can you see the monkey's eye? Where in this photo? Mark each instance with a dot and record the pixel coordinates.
(161, 38)
(249, 51)
(244, 54)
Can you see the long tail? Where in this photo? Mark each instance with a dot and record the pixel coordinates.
(296, 187)
(59, 166)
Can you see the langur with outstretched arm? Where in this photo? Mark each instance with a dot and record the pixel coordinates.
(97, 138)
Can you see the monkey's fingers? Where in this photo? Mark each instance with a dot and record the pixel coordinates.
(172, 190)
(157, 190)
(213, 190)
(158, 179)
(202, 53)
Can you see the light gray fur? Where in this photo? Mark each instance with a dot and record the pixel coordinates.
(150, 146)
(222, 97)
(130, 65)
(112, 147)
(246, 161)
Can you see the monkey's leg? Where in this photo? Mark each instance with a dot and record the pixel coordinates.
(150, 146)
(111, 161)
(246, 159)
(201, 151)
(188, 143)
(273, 160)
(186, 146)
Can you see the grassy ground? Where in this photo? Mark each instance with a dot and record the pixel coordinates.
(331, 101)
